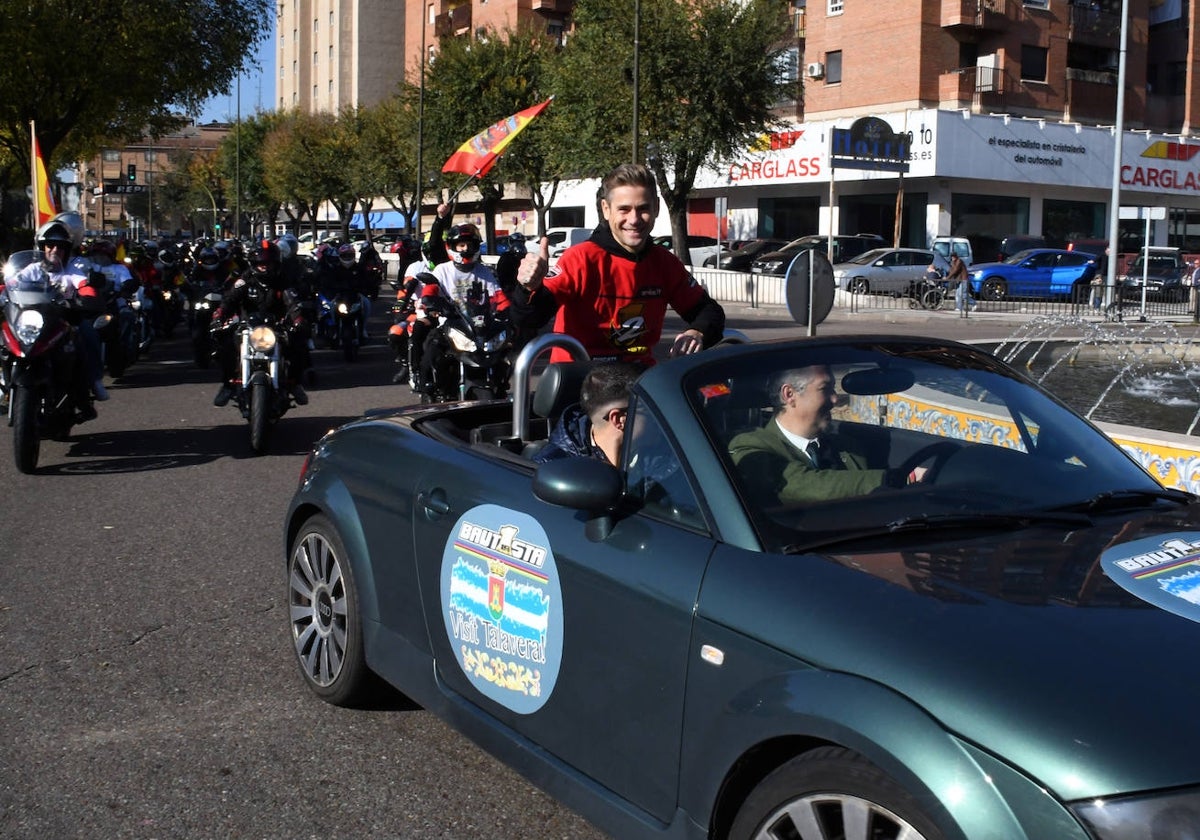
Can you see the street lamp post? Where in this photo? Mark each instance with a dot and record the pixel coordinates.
(637, 21)
(1110, 279)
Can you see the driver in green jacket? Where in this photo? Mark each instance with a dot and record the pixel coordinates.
(795, 457)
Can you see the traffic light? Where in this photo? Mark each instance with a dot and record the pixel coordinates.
(133, 172)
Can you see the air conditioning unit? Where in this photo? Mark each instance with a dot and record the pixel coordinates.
(816, 70)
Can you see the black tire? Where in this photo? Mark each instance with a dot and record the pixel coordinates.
(994, 288)
(859, 286)
(933, 298)
(260, 416)
(808, 797)
(324, 616)
(27, 441)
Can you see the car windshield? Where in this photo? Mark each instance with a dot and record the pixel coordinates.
(994, 448)
(803, 242)
(868, 257)
(1160, 264)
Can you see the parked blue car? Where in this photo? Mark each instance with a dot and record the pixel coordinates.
(1035, 273)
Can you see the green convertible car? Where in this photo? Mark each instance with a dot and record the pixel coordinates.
(985, 634)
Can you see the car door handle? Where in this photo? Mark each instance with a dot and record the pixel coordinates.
(434, 502)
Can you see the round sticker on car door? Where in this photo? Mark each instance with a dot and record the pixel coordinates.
(1163, 571)
(502, 605)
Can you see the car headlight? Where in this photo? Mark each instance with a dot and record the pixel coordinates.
(462, 342)
(262, 339)
(772, 266)
(29, 326)
(1163, 816)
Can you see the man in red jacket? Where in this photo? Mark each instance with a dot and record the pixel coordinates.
(612, 291)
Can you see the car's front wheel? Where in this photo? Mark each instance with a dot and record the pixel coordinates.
(859, 286)
(831, 792)
(994, 289)
(324, 616)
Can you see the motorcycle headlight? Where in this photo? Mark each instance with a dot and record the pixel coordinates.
(166, 295)
(1147, 817)
(496, 343)
(462, 342)
(262, 339)
(203, 304)
(29, 326)
(343, 308)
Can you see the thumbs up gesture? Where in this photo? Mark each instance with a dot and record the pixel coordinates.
(534, 265)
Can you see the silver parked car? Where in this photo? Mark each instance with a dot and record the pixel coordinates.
(891, 270)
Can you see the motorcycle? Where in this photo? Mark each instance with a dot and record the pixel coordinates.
(339, 322)
(202, 301)
(121, 334)
(261, 393)
(39, 362)
(472, 347)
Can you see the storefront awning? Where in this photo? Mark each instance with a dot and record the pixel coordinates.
(381, 220)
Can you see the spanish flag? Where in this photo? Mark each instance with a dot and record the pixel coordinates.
(478, 155)
(43, 199)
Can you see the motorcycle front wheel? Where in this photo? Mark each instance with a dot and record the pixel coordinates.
(26, 439)
(260, 409)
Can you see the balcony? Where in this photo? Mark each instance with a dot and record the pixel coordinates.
(974, 14)
(1091, 95)
(977, 89)
(457, 21)
(1094, 26)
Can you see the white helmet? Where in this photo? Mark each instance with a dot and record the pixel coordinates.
(74, 223)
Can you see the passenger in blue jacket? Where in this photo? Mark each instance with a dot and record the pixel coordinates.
(595, 426)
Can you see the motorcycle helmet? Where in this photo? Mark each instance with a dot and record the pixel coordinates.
(329, 258)
(150, 249)
(168, 257)
(287, 246)
(466, 234)
(74, 225)
(346, 255)
(516, 243)
(104, 248)
(265, 258)
(54, 231)
(208, 259)
(223, 251)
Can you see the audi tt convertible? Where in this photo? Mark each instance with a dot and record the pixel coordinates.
(986, 634)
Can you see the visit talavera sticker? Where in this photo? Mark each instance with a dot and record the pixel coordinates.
(1163, 570)
(503, 606)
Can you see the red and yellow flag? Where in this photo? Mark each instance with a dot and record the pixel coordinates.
(479, 154)
(43, 198)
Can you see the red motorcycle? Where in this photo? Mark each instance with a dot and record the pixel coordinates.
(38, 361)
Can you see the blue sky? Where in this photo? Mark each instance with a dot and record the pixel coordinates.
(257, 88)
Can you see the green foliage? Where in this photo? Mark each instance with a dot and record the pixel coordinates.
(104, 73)
(708, 73)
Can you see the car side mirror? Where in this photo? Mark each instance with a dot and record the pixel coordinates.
(587, 484)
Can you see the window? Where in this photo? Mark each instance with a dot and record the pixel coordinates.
(833, 67)
(1037, 4)
(1033, 63)
(835, 7)
(150, 155)
(654, 474)
(314, 58)
(112, 155)
(316, 26)
(331, 55)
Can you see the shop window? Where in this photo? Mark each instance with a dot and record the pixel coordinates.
(835, 7)
(833, 67)
(1033, 63)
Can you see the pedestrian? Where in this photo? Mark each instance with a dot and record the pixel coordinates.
(959, 282)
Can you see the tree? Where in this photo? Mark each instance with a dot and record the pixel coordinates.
(241, 165)
(389, 141)
(295, 162)
(709, 75)
(106, 73)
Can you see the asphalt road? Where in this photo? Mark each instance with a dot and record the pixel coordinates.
(147, 688)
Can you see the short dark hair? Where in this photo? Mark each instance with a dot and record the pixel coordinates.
(607, 385)
(627, 175)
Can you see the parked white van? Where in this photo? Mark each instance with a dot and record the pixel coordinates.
(947, 245)
(562, 238)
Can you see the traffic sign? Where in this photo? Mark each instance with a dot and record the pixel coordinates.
(122, 188)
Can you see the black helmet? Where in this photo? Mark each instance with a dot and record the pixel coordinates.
(168, 256)
(469, 234)
(208, 259)
(266, 256)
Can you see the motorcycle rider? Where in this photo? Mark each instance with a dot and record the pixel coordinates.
(455, 278)
(76, 279)
(279, 302)
(339, 274)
